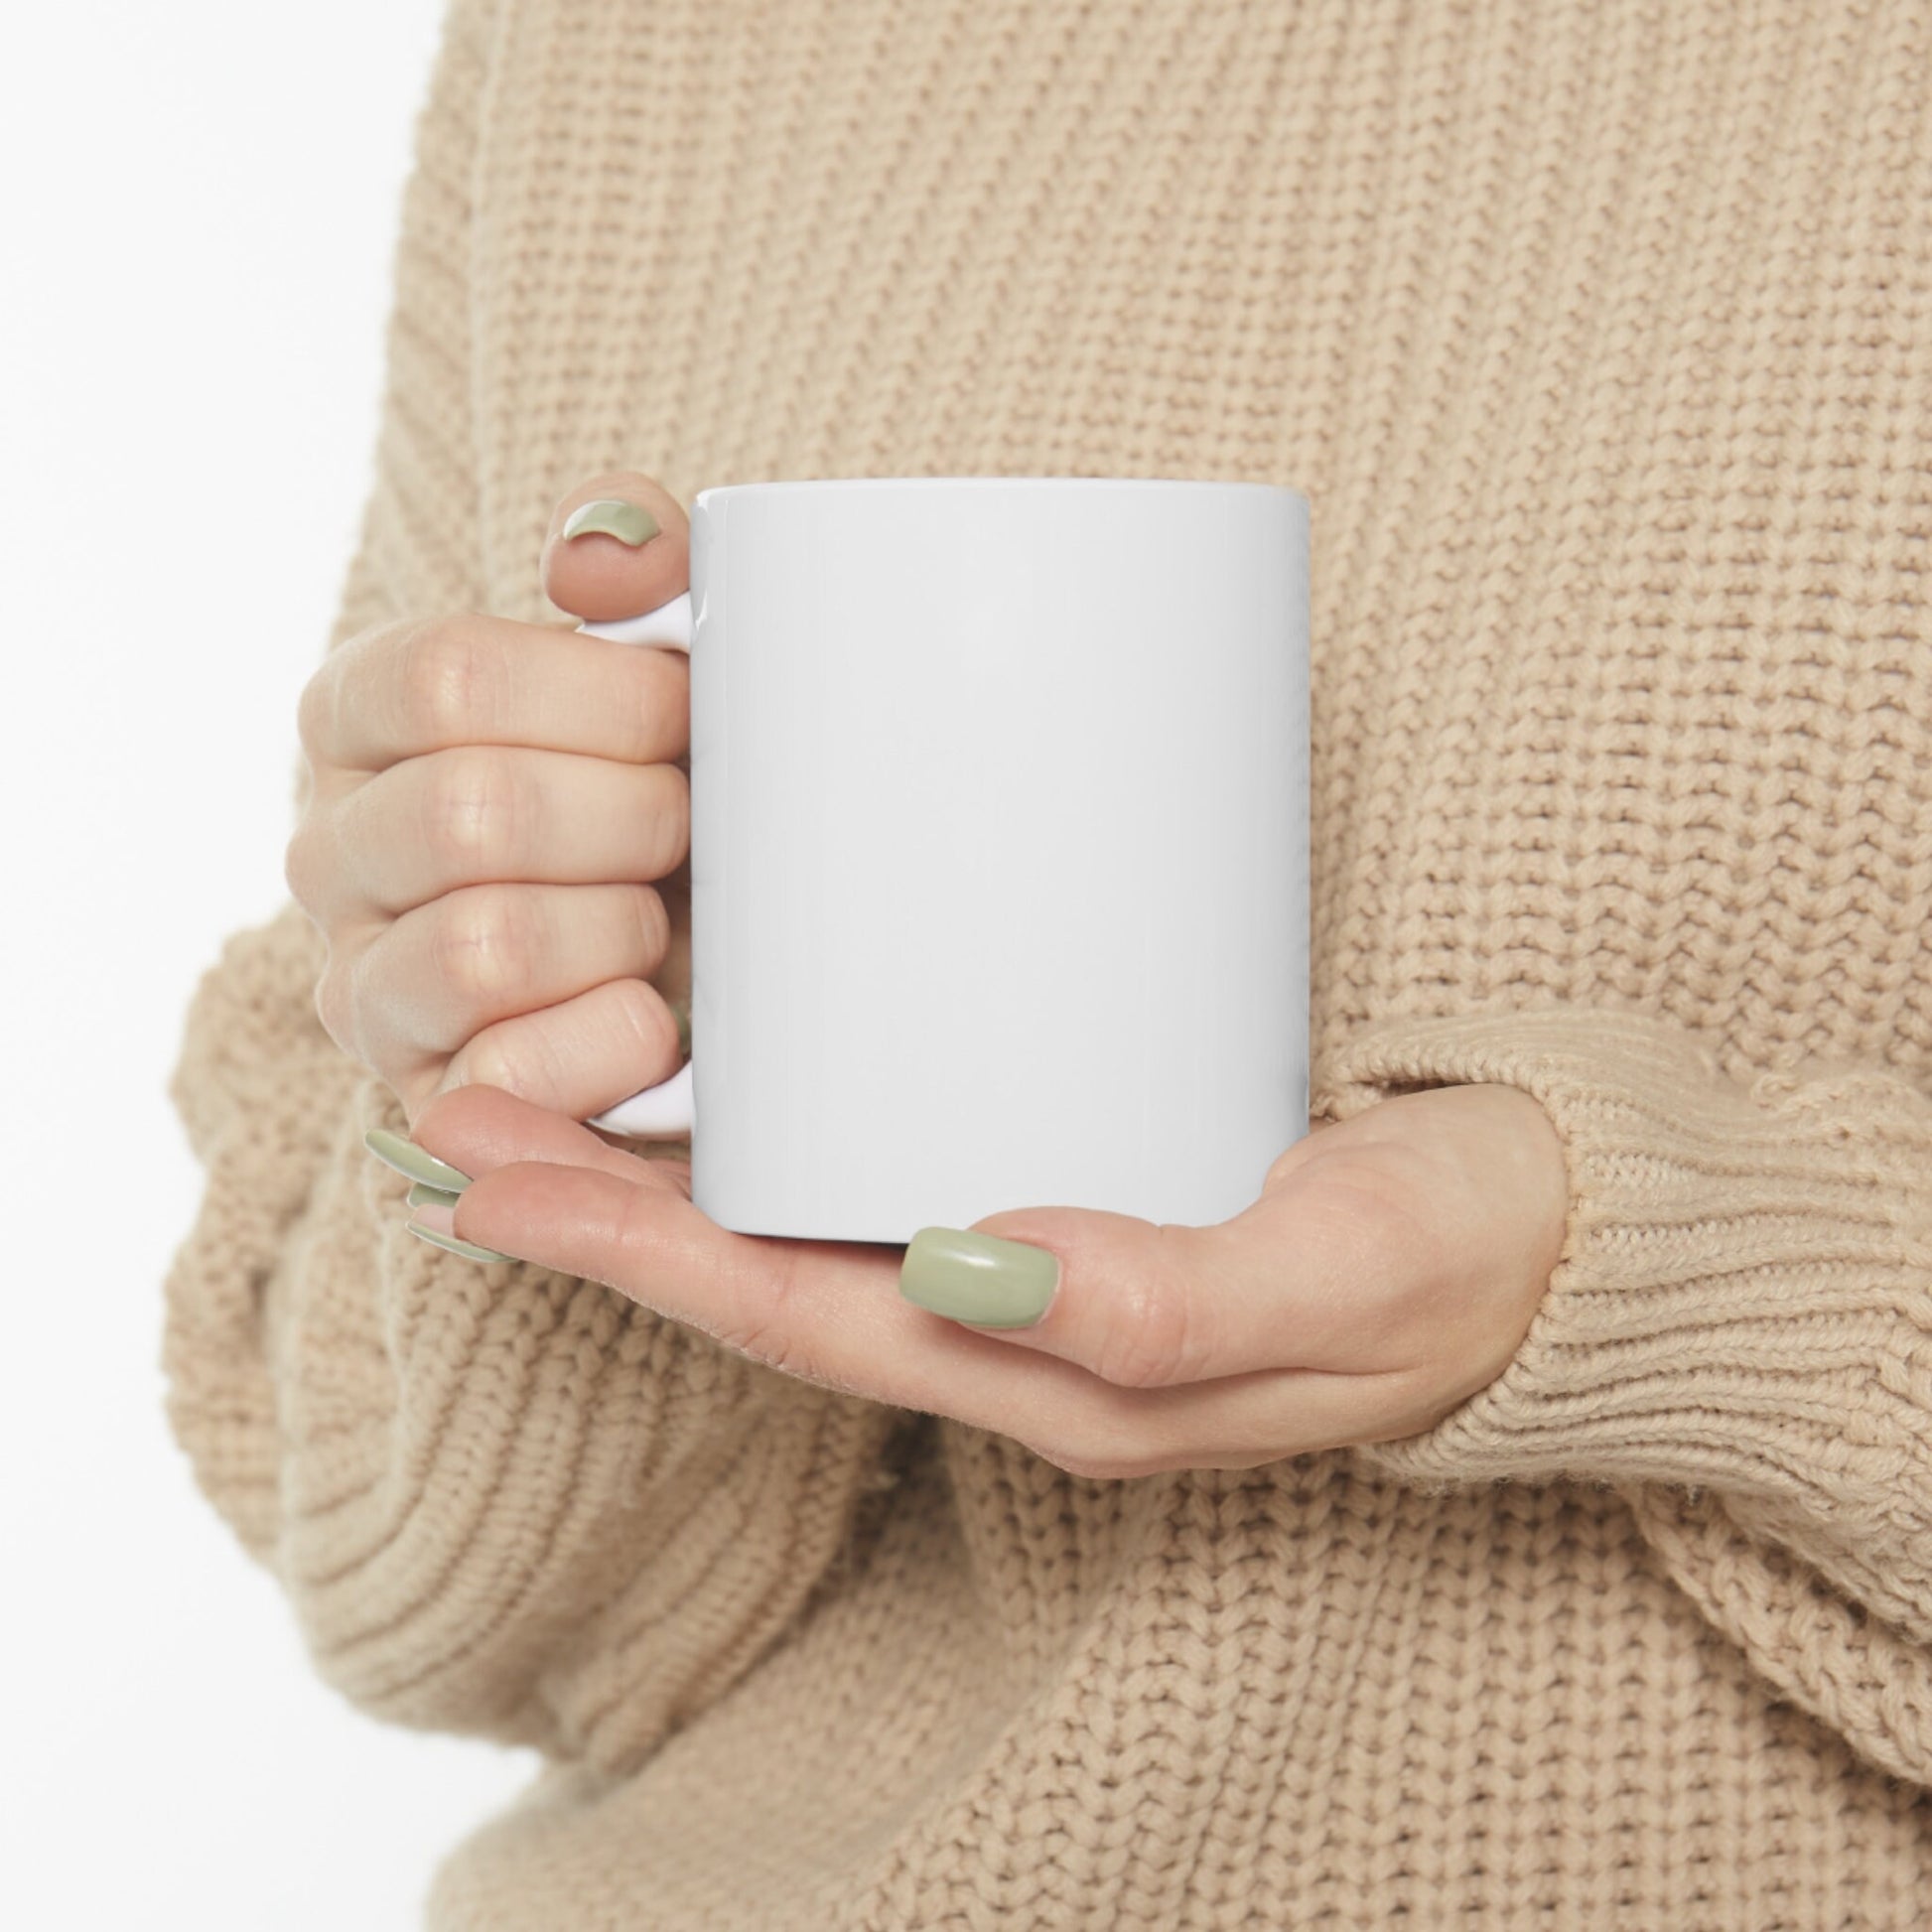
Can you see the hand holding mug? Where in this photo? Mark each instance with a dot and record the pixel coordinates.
(1389, 1270)
(496, 840)
(1390, 1267)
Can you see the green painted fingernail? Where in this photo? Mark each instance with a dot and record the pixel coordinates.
(469, 1249)
(424, 1195)
(610, 517)
(979, 1276)
(681, 1012)
(408, 1159)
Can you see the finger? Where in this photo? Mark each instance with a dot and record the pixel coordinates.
(618, 546)
(403, 690)
(1141, 1304)
(580, 1055)
(437, 976)
(485, 814)
(576, 1058)
(1312, 1276)
(829, 1312)
(477, 1128)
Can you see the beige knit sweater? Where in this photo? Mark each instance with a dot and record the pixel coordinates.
(1600, 337)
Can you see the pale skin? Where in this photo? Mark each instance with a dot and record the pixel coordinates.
(496, 840)
(1388, 1270)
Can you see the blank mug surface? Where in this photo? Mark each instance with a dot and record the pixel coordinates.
(999, 849)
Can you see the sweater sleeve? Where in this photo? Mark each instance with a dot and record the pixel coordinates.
(500, 1500)
(1737, 1336)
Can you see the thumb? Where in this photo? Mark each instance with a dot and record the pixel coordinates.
(618, 546)
(1139, 1304)
(1150, 1305)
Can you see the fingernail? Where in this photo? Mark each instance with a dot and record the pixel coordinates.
(408, 1159)
(979, 1276)
(424, 1195)
(610, 517)
(438, 1218)
(681, 1012)
(468, 1249)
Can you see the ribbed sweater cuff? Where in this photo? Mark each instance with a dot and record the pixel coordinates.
(1744, 1297)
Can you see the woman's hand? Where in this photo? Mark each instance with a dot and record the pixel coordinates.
(1389, 1270)
(490, 798)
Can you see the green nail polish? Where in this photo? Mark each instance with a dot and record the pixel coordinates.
(424, 1195)
(610, 517)
(979, 1276)
(469, 1249)
(408, 1159)
(681, 1012)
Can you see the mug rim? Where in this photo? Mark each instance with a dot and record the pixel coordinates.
(1005, 482)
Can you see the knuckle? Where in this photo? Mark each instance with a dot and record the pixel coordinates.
(444, 676)
(312, 861)
(773, 1348)
(299, 861)
(334, 1001)
(519, 1058)
(648, 1026)
(768, 1333)
(654, 923)
(764, 1337)
(654, 677)
(475, 810)
(671, 821)
(316, 707)
(1150, 1337)
(801, 1364)
(484, 946)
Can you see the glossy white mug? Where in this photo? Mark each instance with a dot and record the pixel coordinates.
(999, 850)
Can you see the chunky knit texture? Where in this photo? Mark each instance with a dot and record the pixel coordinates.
(1600, 337)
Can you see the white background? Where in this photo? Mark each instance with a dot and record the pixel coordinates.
(198, 207)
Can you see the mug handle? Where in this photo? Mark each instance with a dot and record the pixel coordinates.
(667, 1109)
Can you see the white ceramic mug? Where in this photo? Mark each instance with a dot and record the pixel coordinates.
(999, 850)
